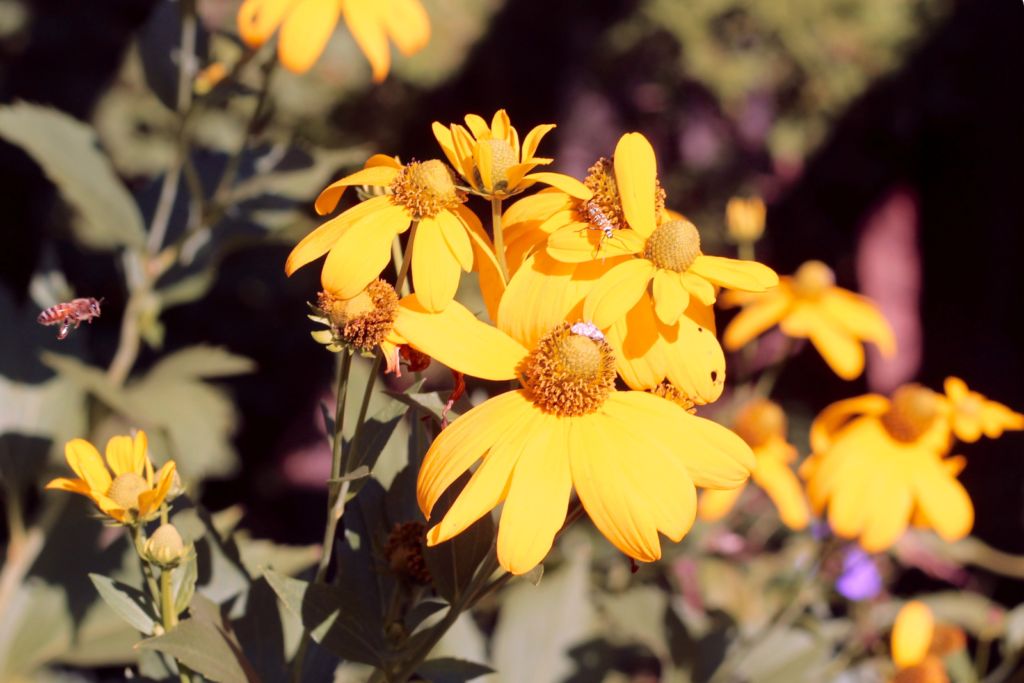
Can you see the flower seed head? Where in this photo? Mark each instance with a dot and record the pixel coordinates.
(813, 278)
(404, 552)
(759, 420)
(570, 374)
(673, 246)
(365, 320)
(427, 188)
(912, 411)
(125, 490)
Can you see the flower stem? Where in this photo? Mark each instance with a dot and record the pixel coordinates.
(170, 619)
(139, 541)
(499, 237)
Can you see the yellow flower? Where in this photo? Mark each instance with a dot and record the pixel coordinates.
(877, 465)
(306, 26)
(974, 415)
(449, 237)
(912, 634)
(744, 218)
(809, 305)
(762, 424)
(633, 457)
(134, 494)
(491, 160)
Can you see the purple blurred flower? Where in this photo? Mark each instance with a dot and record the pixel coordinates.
(860, 579)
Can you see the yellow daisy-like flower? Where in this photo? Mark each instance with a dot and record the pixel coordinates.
(877, 465)
(306, 26)
(134, 494)
(762, 424)
(912, 634)
(449, 237)
(491, 160)
(810, 306)
(633, 457)
(974, 415)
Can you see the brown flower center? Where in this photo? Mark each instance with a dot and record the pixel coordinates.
(365, 320)
(503, 157)
(759, 420)
(125, 490)
(931, 669)
(427, 188)
(601, 181)
(673, 246)
(672, 393)
(912, 411)
(813, 278)
(570, 374)
(404, 552)
(947, 639)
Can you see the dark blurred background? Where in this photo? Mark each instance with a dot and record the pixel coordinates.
(911, 189)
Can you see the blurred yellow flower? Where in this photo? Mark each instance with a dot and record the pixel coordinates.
(931, 669)
(912, 634)
(633, 457)
(307, 25)
(449, 237)
(878, 464)
(744, 218)
(974, 415)
(809, 305)
(762, 424)
(491, 160)
(134, 494)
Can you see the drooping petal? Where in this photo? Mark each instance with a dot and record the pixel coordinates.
(755, 318)
(435, 270)
(835, 416)
(73, 485)
(538, 497)
(379, 175)
(638, 348)
(698, 287)
(456, 338)
(492, 282)
(258, 19)
(490, 482)
(747, 276)
(465, 441)
(670, 299)
(363, 252)
(454, 231)
(862, 438)
(86, 462)
(578, 243)
(570, 186)
(782, 486)
(408, 25)
(305, 33)
(150, 500)
(694, 360)
(841, 351)
(943, 499)
(617, 291)
(636, 170)
(536, 299)
(367, 27)
(321, 240)
(533, 139)
(860, 318)
(714, 504)
(966, 427)
(444, 138)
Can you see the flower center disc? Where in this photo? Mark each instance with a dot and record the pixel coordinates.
(427, 188)
(366, 319)
(503, 157)
(912, 412)
(673, 246)
(125, 490)
(813, 278)
(759, 420)
(570, 374)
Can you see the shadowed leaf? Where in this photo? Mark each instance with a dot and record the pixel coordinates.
(452, 564)
(130, 604)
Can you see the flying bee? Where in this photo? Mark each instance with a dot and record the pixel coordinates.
(598, 221)
(76, 311)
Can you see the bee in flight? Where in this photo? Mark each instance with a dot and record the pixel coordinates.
(75, 311)
(598, 221)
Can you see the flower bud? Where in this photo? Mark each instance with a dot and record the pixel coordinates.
(745, 218)
(165, 547)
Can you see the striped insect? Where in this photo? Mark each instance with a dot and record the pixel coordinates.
(76, 311)
(598, 221)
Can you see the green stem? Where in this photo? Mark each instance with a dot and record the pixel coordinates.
(745, 250)
(396, 256)
(167, 612)
(499, 237)
(139, 541)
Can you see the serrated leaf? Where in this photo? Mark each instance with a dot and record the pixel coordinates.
(452, 564)
(66, 150)
(335, 617)
(452, 670)
(130, 604)
(183, 582)
(204, 648)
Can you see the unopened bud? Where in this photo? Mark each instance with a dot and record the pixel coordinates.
(745, 218)
(165, 547)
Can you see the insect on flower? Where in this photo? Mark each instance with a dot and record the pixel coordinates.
(75, 311)
(598, 221)
(588, 330)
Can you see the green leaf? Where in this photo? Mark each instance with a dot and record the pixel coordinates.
(201, 361)
(420, 612)
(452, 564)
(183, 582)
(66, 150)
(451, 670)
(258, 554)
(359, 473)
(203, 647)
(335, 617)
(130, 604)
(261, 633)
(187, 289)
(534, 575)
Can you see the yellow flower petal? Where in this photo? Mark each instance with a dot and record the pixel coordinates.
(444, 138)
(966, 427)
(321, 240)
(492, 282)
(359, 256)
(995, 417)
(889, 505)
(748, 276)
(607, 493)
(456, 338)
(943, 499)
(698, 287)
(670, 299)
(617, 291)
(109, 507)
(570, 186)
(835, 416)
(538, 207)
(150, 500)
(258, 19)
(121, 455)
(841, 351)
(636, 170)
(484, 158)
(846, 507)
(578, 243)
(408, 25)
(435, 270)
(464, 145)
(86, 462)
(378, 175)
(305, 33)
(538, 497)
(912, 634)
(694, 361)
(465, 441)
(454, 231)
(501, 126)
(757, 317)
(479, 127)
(956, 389)
(515, 174)
(533, 139)
(536, 299)
(638, 348)
(782, 486)
(860, 318)
(715, 504)
(139, 446)
(73, 485)
(367, 27)
(490, 482)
